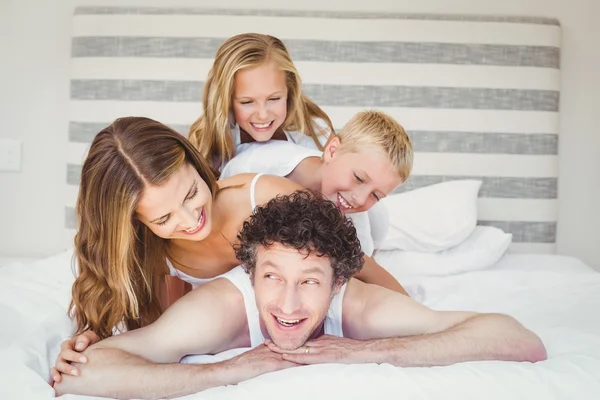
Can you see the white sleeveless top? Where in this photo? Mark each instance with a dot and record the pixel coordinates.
(278, 157)
(241, 280)
(195, 282)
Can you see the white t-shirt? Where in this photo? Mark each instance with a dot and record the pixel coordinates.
(278, 157)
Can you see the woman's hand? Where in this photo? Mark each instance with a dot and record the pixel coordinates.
(70, 351)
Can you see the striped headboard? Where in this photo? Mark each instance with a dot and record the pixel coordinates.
(479, 95)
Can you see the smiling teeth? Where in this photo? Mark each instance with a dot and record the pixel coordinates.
(343, 202)
(260, 126)
(286, 322)
(196, 227)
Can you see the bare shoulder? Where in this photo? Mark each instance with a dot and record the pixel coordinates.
(372, 311)
(368, 309)
(236, 181)
(235, 190)
(221, 293)
(357, 295)
(218, 303)
(271, 186)
(353, 305)
(234, 196)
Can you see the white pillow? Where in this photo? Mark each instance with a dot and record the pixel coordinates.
(482, 249)
(432, 218)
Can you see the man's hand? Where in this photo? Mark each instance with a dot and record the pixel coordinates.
(326, 349)
(257, 361)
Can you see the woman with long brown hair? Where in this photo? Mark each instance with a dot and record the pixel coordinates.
(149, 207)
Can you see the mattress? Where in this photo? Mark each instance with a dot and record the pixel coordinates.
(551, 295)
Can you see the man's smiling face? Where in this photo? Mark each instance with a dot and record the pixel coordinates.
(293, 293)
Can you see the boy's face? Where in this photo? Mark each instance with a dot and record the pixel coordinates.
(356, 181)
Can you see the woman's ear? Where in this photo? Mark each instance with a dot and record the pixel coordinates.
(331, 147)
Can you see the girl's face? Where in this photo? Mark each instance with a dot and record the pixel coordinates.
(179, 209)
(260, 100)
(356, 181)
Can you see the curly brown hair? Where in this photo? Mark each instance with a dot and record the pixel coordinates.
(305, 221)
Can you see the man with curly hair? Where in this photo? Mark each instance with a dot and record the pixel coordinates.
(299, 251)
(293, 303)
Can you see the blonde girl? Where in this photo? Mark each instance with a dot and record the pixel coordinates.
(254, 93)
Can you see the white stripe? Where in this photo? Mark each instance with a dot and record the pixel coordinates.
(438, 119)
(329, 73)
(334, 29)
(530, 210)
(106, 111)
(69, 235)
(535, 248)
(503, 165)
(492, 121)
(77, 152)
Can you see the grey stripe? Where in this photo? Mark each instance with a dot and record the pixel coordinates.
(422, 141)
(526, 232)
(496, 187)
(73, 174)
(84, 132)
(332, 95)
(523, 232)
(487, 143)
(311, 14)
(329, 51)
(136, 90)
(70, 220)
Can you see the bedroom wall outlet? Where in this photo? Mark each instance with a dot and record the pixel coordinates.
(10, 155)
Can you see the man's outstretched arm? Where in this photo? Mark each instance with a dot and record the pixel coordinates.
(385, 327)
(117, 374)
(144, 363)
(477, 338)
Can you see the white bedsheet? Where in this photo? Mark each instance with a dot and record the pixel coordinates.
(557, 297)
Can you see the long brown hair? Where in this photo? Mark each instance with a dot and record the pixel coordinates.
(121, 263)
(211, 132)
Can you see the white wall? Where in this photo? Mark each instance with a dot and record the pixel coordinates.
(34, 78)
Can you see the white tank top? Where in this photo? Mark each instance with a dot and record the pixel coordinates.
(195, 282)
(241, 280)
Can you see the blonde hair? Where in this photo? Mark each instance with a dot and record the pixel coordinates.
(379, 130)
(121, 262)
(211, 132)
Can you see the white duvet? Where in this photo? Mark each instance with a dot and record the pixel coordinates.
(557, 297)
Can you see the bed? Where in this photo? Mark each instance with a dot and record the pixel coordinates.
(550, 294)
(474, 227)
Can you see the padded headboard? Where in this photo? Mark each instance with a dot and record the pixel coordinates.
(479, 95)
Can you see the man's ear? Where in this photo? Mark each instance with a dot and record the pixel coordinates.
(337, 287)
(331, 147)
